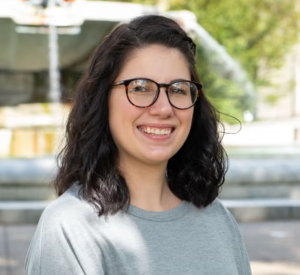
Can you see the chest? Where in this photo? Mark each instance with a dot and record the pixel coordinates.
(164, 249)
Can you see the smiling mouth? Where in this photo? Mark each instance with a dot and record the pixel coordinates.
(156, 131)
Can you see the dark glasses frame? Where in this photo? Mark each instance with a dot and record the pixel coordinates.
(159, 85)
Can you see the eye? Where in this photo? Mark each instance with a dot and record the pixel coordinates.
(177, 91)
(180, 88)
(142, 86)
(139, 88)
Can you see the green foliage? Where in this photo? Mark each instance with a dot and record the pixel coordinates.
(251, 31)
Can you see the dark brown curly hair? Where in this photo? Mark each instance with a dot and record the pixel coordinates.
(195, 173)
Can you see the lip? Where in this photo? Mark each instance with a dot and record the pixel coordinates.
(158, 126)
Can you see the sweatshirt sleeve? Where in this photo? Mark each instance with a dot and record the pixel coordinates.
(245, 263)
(49, 254)
(58, 249)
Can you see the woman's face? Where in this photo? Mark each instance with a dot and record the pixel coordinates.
(129, 125)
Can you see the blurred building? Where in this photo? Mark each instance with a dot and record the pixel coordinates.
(282, 98)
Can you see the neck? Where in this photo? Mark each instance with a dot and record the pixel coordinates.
(148, 186)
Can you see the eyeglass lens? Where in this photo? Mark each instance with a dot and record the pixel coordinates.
(142, 93)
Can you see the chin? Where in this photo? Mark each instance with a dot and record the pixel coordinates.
(158, 158)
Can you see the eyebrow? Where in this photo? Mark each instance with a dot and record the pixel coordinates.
(177, 79)
(180, 79)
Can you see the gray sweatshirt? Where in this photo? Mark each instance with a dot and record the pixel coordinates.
(71, 239)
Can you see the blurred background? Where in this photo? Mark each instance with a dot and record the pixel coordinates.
(248, 59)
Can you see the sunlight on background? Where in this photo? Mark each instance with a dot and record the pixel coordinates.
(248, 59)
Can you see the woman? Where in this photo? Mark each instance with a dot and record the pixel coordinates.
(142, 167)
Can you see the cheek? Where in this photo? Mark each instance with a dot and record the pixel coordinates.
(186, 118)
(122, 116)
(118, 106)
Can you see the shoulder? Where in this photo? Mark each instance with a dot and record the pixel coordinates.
(66, 209)
(70, 197)
(66, 217)
(215, 210)
(219, 209)
(228, 228)
(60, 233)
(216, 217)
(221, 215)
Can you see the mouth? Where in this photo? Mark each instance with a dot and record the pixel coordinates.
(156, 131)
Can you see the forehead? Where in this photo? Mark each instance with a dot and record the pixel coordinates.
(156, 62)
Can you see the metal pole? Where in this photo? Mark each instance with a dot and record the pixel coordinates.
(54, 73)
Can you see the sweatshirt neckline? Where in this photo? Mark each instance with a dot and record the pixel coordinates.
(164, 216)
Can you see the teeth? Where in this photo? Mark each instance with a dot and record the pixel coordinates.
(156, 131)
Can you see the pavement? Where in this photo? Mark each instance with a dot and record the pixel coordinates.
(273, 247)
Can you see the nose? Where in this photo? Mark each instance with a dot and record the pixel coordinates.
(162, 106)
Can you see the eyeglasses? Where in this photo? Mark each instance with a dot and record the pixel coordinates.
(143, 92)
